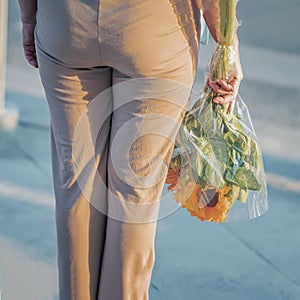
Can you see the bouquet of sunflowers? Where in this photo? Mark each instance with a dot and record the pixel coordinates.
(216, 171)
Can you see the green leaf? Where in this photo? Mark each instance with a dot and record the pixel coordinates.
(205, 163)
(205, 118)
(240, 142)
(237, 193)
(244, 178)
(243, 195)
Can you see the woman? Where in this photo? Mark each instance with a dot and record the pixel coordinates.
(138, 60)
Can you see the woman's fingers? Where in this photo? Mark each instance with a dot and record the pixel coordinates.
(235, 83)
(221, 87)
(230, 106)
(227, 86)
(29, 44)
(227, 92)
(30, 55)
(224, 99)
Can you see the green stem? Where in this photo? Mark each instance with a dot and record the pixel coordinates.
(227, 21)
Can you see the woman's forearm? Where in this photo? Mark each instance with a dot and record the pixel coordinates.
(211, 14)
(28, 10)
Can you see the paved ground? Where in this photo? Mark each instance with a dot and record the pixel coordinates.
(194, 260)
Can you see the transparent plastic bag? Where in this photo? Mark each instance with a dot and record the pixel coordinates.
(216, 171)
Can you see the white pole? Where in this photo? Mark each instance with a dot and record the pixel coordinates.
(3, 38)
(8, 117)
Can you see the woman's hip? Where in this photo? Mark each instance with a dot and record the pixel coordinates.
(139, 38)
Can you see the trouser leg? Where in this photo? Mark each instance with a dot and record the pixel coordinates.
(80, 225)
(146, 117)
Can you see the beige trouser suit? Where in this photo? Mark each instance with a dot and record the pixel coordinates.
(117, 77)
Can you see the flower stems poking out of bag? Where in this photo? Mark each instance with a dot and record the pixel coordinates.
(216, 158)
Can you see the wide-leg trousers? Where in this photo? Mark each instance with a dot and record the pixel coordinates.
(117, 77)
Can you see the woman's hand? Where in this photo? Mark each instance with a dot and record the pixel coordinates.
(29, 43)
(228, 90)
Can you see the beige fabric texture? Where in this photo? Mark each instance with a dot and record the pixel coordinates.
(117, 77)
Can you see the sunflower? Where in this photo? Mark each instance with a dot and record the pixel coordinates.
(214, 211)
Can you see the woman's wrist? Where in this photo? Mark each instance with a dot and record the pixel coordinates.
(31, 21)
(28, 9)
(28, 27)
